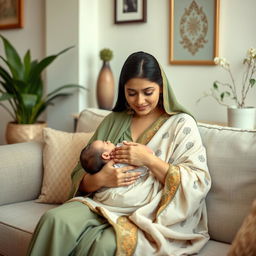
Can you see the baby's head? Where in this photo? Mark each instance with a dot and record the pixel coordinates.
(95, 155)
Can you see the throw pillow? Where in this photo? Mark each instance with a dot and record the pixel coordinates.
(60, 155)
(244, 243)
(231, 161)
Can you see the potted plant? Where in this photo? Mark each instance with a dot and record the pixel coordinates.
(239, 114)
(22, 86)
(105, 82)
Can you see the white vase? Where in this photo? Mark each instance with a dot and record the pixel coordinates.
(241, 117)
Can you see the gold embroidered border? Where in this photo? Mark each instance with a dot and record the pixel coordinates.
(172, 182)
(152, 130)
(126, 234)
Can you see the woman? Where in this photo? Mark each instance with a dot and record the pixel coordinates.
(173, 222)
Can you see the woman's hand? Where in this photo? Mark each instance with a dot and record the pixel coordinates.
(137, 154)
(111, 176)
(132, 153)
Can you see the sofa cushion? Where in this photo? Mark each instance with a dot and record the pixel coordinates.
(231, 160)
(90, 118)
(24, 160)
(17, 223)
(60, 155)
(214, 248)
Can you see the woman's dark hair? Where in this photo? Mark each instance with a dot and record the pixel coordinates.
(137, 65)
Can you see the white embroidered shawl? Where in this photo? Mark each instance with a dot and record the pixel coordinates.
(173, 220)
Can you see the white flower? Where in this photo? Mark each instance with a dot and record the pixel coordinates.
(249, 61)
(251, 53)
(221, 62)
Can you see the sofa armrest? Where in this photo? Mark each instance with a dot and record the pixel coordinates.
(21, 170)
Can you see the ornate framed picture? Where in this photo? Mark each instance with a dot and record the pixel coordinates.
(128, 11)
(194, 32)
(11, 14)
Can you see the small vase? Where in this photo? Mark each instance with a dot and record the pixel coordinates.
(241, 117)
(16, 133)
(105, 87)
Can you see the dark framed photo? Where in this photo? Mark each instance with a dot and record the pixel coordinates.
(11, 14)
(194, 32)
(127, 11)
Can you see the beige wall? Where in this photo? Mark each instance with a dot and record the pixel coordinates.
(97, 30)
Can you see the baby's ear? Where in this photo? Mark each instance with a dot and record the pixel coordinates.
(105, 155)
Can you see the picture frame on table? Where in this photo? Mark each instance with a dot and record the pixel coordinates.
(11, 14)
(194, 32)
(130, 11)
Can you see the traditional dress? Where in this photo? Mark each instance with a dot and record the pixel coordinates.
(172, 222)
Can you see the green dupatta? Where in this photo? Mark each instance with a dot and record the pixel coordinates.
(171, 105)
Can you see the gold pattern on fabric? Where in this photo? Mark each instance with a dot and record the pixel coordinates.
(152, 130)
(193, 28)
(172, 182)
(127, 235)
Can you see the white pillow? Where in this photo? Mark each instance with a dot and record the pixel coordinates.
(232, 164)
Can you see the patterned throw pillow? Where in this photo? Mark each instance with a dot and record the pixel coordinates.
(244, 243)
(60, 156)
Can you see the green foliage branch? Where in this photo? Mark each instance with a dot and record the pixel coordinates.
(22, 86)
(220, 91)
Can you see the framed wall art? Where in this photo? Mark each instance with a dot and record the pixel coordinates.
(194, 32)
(11, 14)
(128, 11)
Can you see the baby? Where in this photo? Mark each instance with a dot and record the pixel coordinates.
(94, 156)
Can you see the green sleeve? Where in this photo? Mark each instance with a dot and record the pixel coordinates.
(111, 128)
(76, 177)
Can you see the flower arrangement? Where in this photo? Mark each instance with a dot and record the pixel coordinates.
(230, 89)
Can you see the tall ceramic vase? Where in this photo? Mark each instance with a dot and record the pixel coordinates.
(105, 87)
(241, 117)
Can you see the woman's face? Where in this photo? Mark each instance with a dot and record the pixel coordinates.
(142, 95)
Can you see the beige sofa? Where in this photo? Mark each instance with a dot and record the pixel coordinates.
(231, 160)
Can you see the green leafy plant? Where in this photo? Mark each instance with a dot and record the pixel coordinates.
(106, 54)
(22, 86)
(220, 91)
